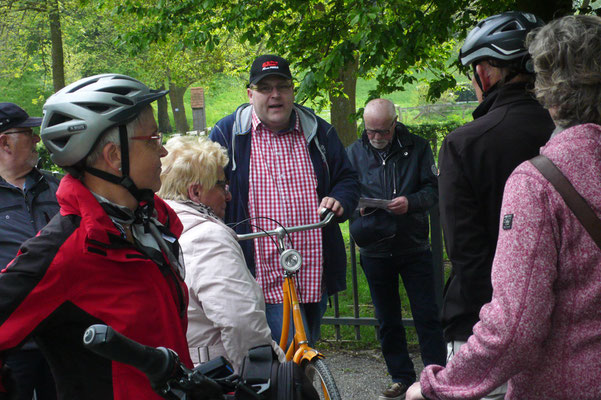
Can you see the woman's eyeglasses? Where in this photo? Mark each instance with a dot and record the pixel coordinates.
(158, 138)
(224, 184)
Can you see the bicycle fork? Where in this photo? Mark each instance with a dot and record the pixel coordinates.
(299, 350)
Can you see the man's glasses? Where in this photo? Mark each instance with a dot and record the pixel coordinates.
(28, 132)
(224, 184)
(267, 89)
(382, 132)
(158, 138)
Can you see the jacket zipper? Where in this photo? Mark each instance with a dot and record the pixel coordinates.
(394, 179)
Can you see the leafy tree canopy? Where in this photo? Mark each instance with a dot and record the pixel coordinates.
(393, 41)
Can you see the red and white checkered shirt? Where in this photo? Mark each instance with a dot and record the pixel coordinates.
(283, 186)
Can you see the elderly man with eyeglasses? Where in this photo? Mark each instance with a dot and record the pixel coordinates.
(285, 164)
(27, 203)
(397, 168)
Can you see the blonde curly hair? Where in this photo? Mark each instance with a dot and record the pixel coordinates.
(191, 160)
(567, 61)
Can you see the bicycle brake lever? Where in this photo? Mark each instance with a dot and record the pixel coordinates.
(323, 213)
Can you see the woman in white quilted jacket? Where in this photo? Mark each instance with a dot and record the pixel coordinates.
(226, 310)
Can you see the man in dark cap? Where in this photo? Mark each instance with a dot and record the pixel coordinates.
(285, 164)
(27, 203)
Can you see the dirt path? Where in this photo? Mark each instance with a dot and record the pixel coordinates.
(362, 374)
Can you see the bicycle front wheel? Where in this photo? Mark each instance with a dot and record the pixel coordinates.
(320, 376)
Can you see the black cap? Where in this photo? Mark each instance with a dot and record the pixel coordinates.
(268, 64)
(13, 116)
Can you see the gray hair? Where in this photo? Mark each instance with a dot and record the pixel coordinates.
(567, 61)
(111, 135)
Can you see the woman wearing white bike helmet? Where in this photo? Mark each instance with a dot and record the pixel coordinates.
(111, 255)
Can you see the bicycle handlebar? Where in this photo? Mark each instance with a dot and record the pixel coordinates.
(326, 217)
(168, 376)
(103, 340)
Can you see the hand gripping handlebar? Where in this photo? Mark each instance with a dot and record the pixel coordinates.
(326, 215)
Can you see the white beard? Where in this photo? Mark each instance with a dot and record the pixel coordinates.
(379, 144)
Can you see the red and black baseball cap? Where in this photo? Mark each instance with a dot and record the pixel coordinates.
(269, 64)
(13, 116)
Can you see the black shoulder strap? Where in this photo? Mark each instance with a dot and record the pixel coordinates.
(581, 209)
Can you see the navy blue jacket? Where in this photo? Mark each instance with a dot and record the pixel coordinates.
(24, 212)
(335, 178)
(407, 170)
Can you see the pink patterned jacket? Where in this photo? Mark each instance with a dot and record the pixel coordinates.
(542, 329)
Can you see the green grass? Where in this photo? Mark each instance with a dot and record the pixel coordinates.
(368, 337)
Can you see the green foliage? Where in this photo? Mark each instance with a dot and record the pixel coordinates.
(393, 41)
(44, 160)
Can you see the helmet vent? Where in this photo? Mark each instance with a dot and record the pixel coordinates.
(84, 84)
(95, 107)
(60, 142)
(58, 118)
(510, 27)
(117, 90)
(123, 100)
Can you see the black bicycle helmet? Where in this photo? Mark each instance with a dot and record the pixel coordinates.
(76, 116)
(501, 37)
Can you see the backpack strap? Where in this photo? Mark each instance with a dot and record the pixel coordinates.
(581, 209)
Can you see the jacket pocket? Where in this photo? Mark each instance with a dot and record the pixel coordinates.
(372, 228)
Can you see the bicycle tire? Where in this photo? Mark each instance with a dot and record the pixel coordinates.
(322, 379)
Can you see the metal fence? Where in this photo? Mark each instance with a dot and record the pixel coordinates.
(337, 320)
(409, 114)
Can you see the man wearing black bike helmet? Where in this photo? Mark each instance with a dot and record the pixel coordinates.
(111, 256)
(476, 159)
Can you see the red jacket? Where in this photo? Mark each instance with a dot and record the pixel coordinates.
(77, 272)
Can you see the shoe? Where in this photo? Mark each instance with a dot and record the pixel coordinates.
(396, 391)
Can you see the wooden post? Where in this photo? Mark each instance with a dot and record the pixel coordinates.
(197, 102)
(399, 113)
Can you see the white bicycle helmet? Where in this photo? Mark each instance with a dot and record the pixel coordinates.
(500, 37)
(76, 116)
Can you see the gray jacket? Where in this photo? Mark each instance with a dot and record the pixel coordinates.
(24, 212)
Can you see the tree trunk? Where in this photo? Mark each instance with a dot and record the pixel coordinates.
(163, 114)
(56, 38)
(176, 97)
(342, 108)
(546, 9)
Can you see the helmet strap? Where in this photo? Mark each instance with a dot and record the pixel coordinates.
(141, 195)
(477, 77)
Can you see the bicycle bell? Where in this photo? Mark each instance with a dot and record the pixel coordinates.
(291, 260)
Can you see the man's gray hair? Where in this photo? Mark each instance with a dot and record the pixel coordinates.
(111, 135)
(567, 61)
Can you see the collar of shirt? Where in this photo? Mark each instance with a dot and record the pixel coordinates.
(294, 125)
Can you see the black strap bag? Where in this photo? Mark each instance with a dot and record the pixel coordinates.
(273, 380)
